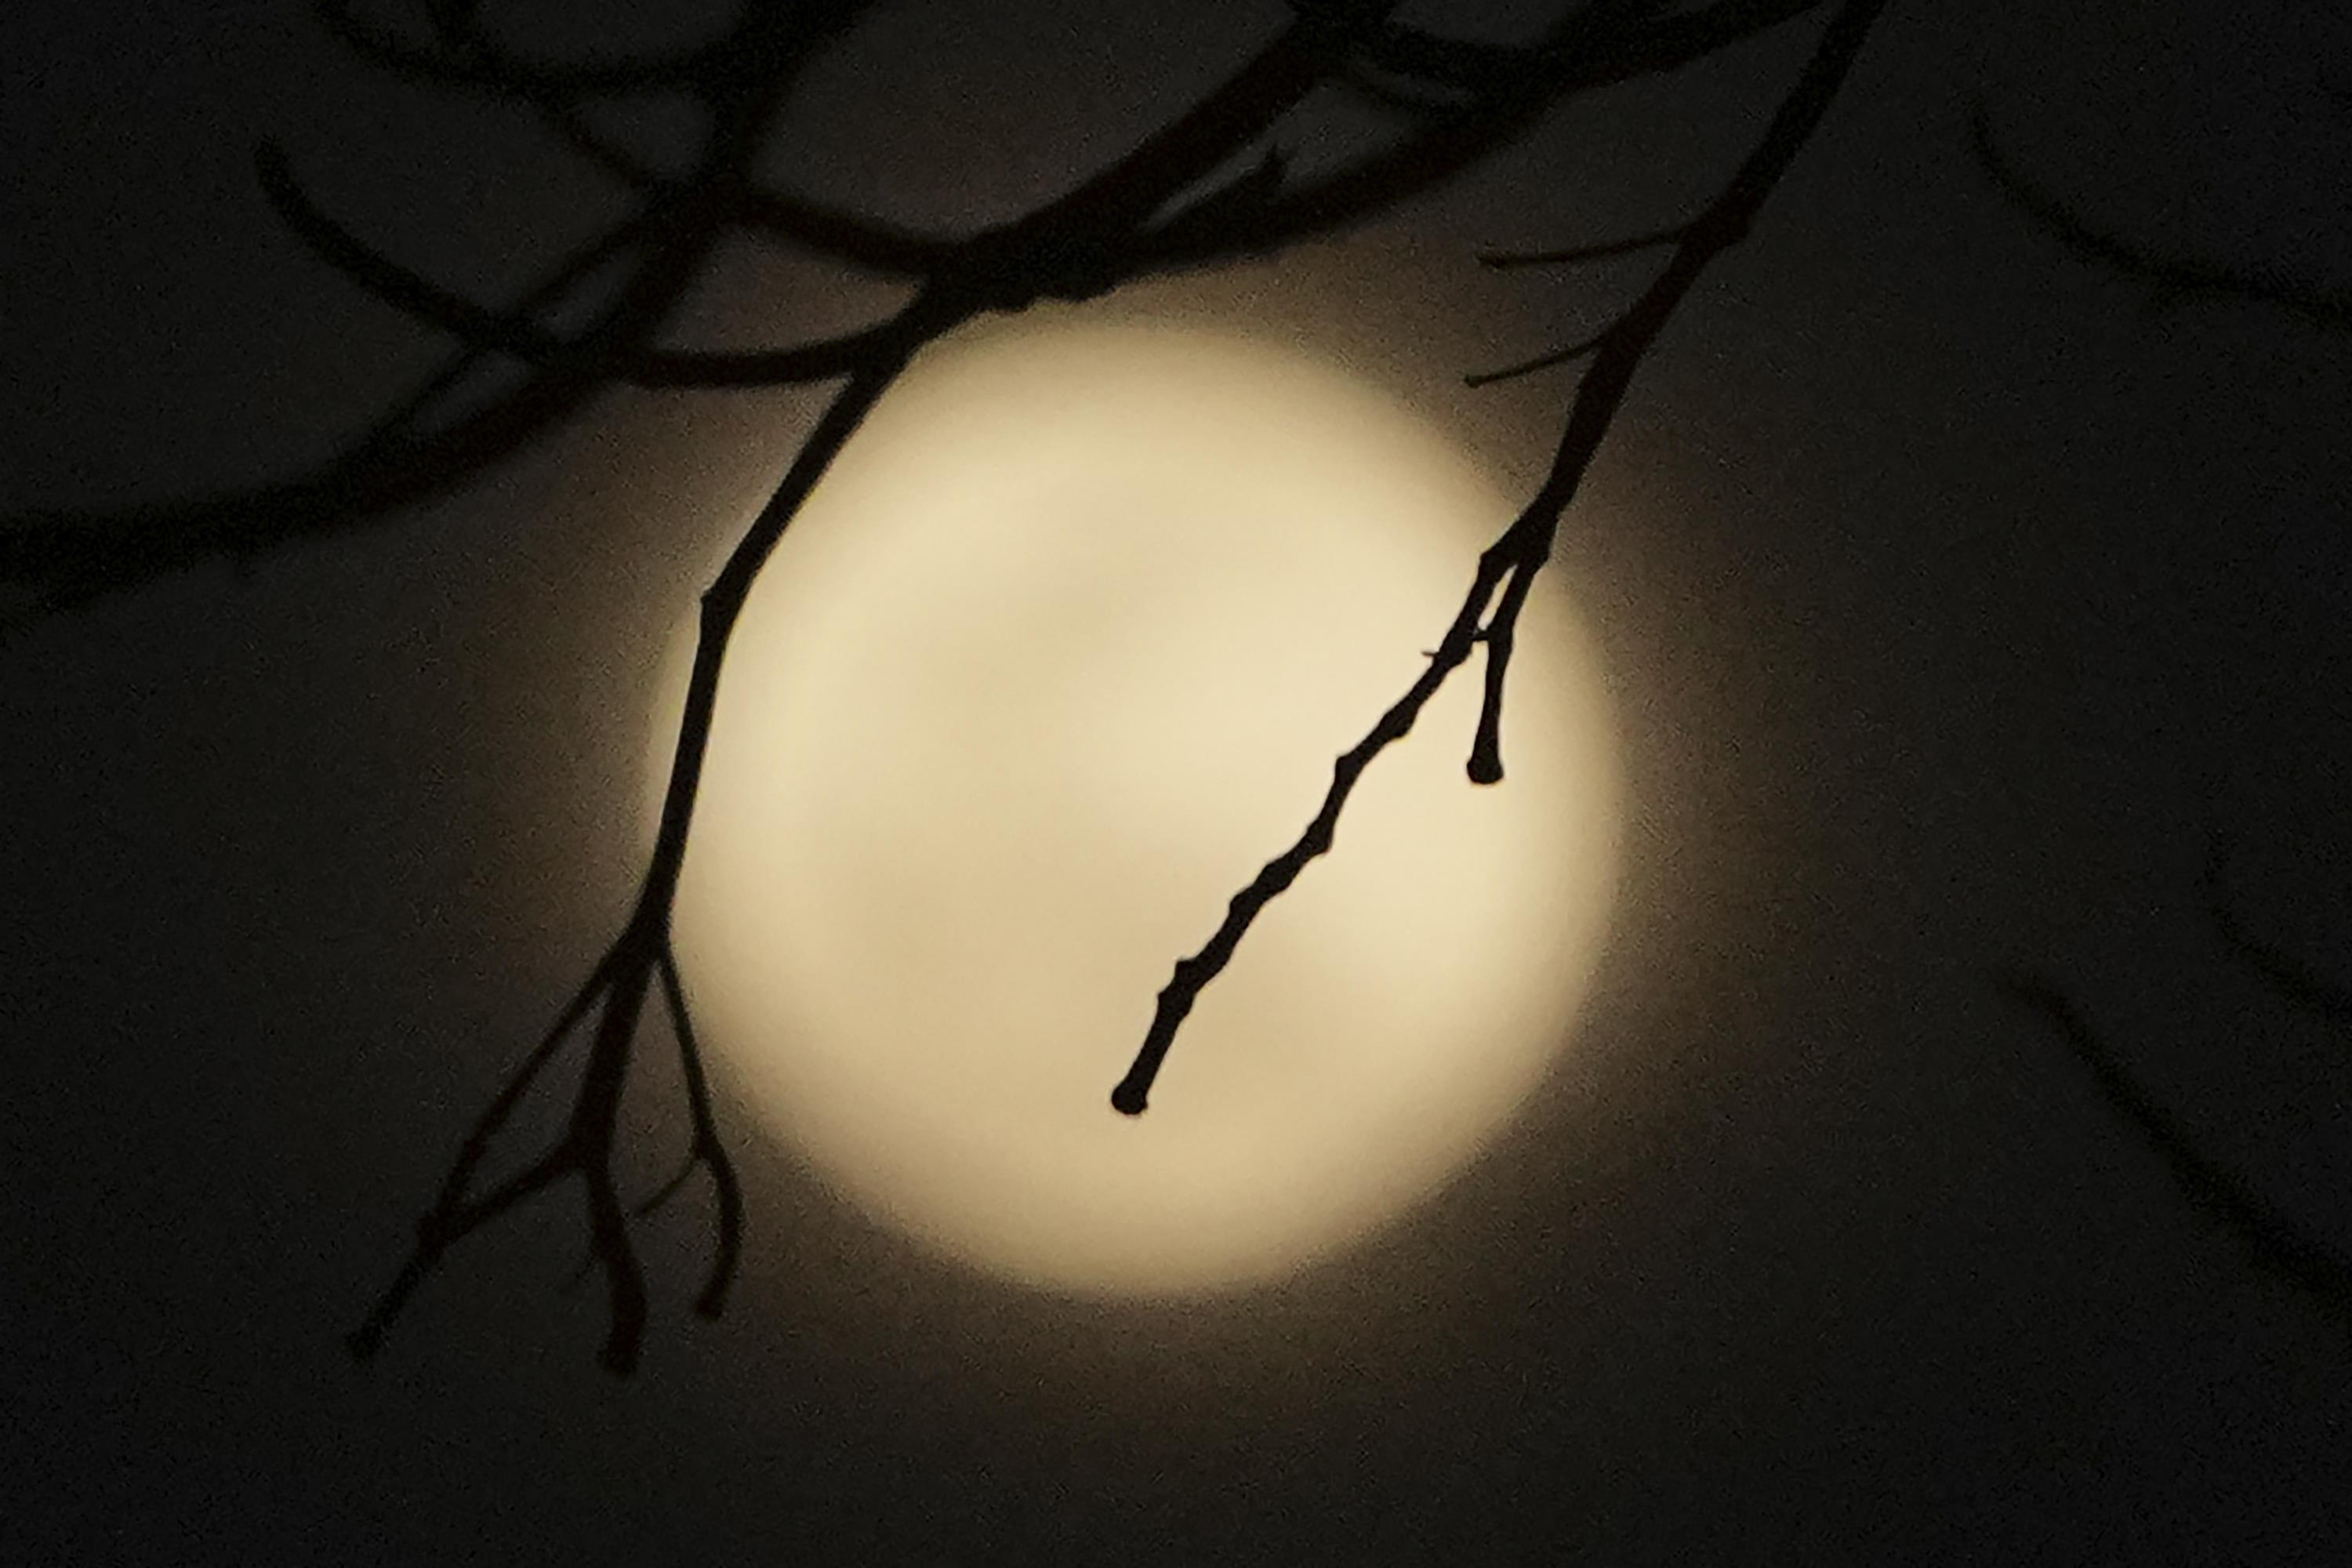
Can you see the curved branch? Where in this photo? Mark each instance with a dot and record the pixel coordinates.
(71, 558)
(869, 243)
(1591, 46)
(513, 333)
(706, 1150)
(1502, 261)
(1581, 54)
(1576, 350)
(2177, 275)
(406, 290)
(465, 58)
(2276, 1242)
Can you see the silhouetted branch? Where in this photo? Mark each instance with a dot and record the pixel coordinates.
(462, 55)
(1591, 48)
(869, 244)
(1509, 565)
(1193, 973)
(2172, 275)
(455, 1214)
(705, 1149)
(1607, 249)
(2274, 1241)
(1576, 350)
(72, 557)
(69, 558)
(479, 327)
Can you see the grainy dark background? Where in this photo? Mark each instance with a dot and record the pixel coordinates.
(1943, 581)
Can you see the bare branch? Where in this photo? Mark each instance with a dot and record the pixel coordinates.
(868, 243)
(74, 557)
(1193, 974)
(1505, 259)
(2274, 1241)
(2176, 275)
(1588, 49)
(1512, 561)
(707, 1148)
(1576, 350)
(463, 56)
(479, 327)
(454, 1214)
(1592, 46)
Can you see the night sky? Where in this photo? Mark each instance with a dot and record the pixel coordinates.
(1957, 596)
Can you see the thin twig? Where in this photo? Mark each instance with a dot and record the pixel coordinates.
(2173, 275)
(479, 326)
(1504, 260)
(707, 1150)
(2274, 1241)
(1574, 350)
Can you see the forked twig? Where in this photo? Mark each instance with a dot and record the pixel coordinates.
(1511, 563)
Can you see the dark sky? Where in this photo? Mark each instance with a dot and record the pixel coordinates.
(1943, 580)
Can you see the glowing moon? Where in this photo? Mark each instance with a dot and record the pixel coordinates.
(1058, 655)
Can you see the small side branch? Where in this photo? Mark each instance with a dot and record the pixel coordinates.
(856, 240)
(587, 1149)
(478, 326)
(706, 1150)
(1574, 350)
(1574, 255)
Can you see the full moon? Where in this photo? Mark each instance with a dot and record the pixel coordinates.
(1057, 655)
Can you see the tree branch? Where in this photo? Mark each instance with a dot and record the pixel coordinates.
(479, 327)
(867, 243)
(1576, 350)
(1502, 260)
(463, 56)
(2276, 1243)
(1586, 50)
(1512, 561)
(705, 1149)
(2175, 275)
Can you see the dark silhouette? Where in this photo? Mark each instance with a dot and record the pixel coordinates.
(1170, 203)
